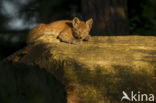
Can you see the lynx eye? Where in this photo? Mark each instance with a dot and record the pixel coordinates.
(77, 32)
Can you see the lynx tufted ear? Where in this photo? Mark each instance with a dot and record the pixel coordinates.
(89, 22)
(76, 22)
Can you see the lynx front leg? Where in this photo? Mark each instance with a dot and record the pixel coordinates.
(68, 38)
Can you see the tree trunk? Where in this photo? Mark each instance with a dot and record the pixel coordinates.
(109, 16)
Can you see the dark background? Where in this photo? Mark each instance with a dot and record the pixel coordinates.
(111, 17)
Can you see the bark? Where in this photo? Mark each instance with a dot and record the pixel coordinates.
(109, 16)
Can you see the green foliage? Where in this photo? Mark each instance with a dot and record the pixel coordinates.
(142, 17)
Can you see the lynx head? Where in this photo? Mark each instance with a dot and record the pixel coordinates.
(81, 29)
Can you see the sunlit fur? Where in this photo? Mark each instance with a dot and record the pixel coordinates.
(70, 31)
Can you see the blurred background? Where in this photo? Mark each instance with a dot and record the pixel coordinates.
(111, 17)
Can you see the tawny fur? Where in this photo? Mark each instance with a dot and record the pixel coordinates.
(69, 31)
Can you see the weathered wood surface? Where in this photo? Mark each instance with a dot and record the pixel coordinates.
(91, 72)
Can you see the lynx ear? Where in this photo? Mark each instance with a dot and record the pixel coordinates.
(89, 22)
(76, 22)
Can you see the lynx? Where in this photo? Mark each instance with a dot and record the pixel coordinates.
(69, 31)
